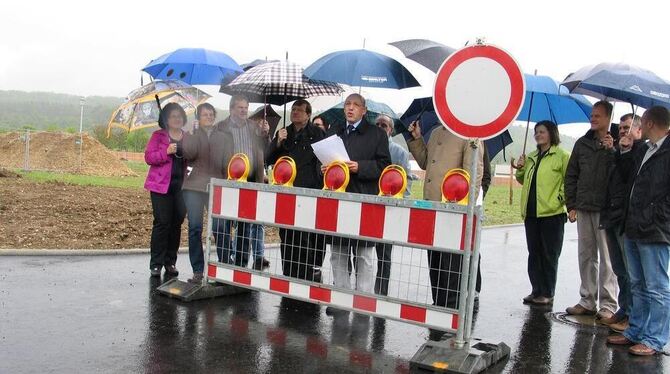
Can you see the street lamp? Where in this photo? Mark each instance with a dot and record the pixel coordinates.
(82, 101)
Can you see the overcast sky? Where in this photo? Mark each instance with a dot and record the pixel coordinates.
(99, 47)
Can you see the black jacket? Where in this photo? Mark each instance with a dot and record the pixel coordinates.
(611, 216)
(586, 178)
(299, 148)
(369, 146)
(647, 215)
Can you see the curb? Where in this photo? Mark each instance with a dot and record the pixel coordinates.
(90, 252)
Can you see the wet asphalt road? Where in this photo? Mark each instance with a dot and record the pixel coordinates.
(72, 314)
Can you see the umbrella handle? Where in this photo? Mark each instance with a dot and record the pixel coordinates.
(513, 164)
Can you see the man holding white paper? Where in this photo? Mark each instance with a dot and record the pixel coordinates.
(368, 150)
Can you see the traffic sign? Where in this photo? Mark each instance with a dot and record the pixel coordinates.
(479, 91)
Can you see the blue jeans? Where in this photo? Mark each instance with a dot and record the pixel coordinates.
(649, 316)
(196, 202)
(258, 240)
(221, 229)
(618, 260)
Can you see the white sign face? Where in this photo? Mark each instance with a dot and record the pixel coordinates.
(479, 91)
(490, 91)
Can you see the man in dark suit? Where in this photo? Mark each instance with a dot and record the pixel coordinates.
(301, 252)
(368, 149)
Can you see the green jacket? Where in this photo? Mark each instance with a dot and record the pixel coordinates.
(549, 183)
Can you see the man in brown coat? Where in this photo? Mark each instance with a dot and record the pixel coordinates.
(444, 151)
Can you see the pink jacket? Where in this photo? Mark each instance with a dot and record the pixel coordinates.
(160, 164)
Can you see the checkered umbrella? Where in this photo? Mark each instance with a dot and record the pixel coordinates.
(279, 83)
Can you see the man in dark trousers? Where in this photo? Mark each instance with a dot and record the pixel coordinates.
(368, 149)
(301, 252)
(646, 168)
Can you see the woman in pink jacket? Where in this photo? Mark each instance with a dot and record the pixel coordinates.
(167, 170)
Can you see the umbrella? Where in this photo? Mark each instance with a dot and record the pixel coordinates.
(255, 63)
(374, 109)
(426, 52)
(278, 83)
(422, 109)
(140, 109)
(361, 68)
(269, 114)
(621, 82)
(194, 66)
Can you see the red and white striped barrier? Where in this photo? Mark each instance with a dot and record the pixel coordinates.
(437, 318)
(403, 225)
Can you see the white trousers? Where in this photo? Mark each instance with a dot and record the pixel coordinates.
(364, 261)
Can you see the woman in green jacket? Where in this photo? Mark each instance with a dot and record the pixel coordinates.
(543, 210)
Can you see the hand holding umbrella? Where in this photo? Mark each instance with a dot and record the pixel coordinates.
(415, 129)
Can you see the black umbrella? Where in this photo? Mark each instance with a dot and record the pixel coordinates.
(426, 52)
(269, 114)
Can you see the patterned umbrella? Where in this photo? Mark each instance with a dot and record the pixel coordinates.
(278, 83)
(140, 109)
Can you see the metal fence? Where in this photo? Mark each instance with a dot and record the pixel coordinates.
(368, 254)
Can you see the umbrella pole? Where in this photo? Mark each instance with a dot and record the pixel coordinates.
(525, 138)
(285, 103)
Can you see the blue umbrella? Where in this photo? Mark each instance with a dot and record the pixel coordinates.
(621, 82)
(194, 66)
(374, 109)
(361, 68)
(422, 109)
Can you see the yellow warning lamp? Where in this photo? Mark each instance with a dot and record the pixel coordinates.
(456, 187)
(336, 177)
(393, 181)
(238, 167)
(284, 171)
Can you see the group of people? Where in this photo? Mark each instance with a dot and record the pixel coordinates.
(176, 193)
(616, 189)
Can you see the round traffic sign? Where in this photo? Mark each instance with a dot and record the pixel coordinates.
(479, 91)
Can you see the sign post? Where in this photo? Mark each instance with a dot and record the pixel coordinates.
(479, 91)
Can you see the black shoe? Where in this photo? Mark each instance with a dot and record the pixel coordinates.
(171, 270)
(258, 264)
(266, 263)
(316, 275)
(156, 271)
(332, 311)
(197, 277)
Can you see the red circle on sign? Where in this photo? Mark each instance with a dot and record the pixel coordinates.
(237, 168)
(391, 182)
(335, 177)
(283, 172)
(510, 112)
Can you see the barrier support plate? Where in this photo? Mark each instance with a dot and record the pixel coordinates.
(186, 291)
(445, 356)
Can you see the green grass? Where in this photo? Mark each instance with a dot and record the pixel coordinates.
(88, 180)
(497, 208)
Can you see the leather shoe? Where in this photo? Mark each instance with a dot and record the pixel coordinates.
(579, 310)
(528, 299)
(197, 277)
(171, 270)
(332, 311)
(620, 326)
(156, 271)
(618, 340)
(542, 300)
(604, 314)
(641, 350)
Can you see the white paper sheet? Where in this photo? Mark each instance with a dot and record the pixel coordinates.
(330, 149)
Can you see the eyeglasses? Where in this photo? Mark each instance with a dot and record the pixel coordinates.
(383, 125)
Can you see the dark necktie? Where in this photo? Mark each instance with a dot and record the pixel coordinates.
(350, 129)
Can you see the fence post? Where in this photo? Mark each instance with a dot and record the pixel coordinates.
(26, 155)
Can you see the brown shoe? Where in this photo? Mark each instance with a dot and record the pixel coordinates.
(579, 310)
(604, 314)
(197, 278)
(611, 320)
(641, 350)
(620, 326)
(541, 300)
(618, 340)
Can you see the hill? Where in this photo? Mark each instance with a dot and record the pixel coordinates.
(53, 111)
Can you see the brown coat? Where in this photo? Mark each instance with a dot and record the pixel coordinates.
(225, 139)
(205, 155)
(444, 151)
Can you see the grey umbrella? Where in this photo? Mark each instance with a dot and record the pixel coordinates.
(426, 52)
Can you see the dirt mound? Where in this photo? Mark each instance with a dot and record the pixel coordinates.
(60, 152)
(4, 173)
